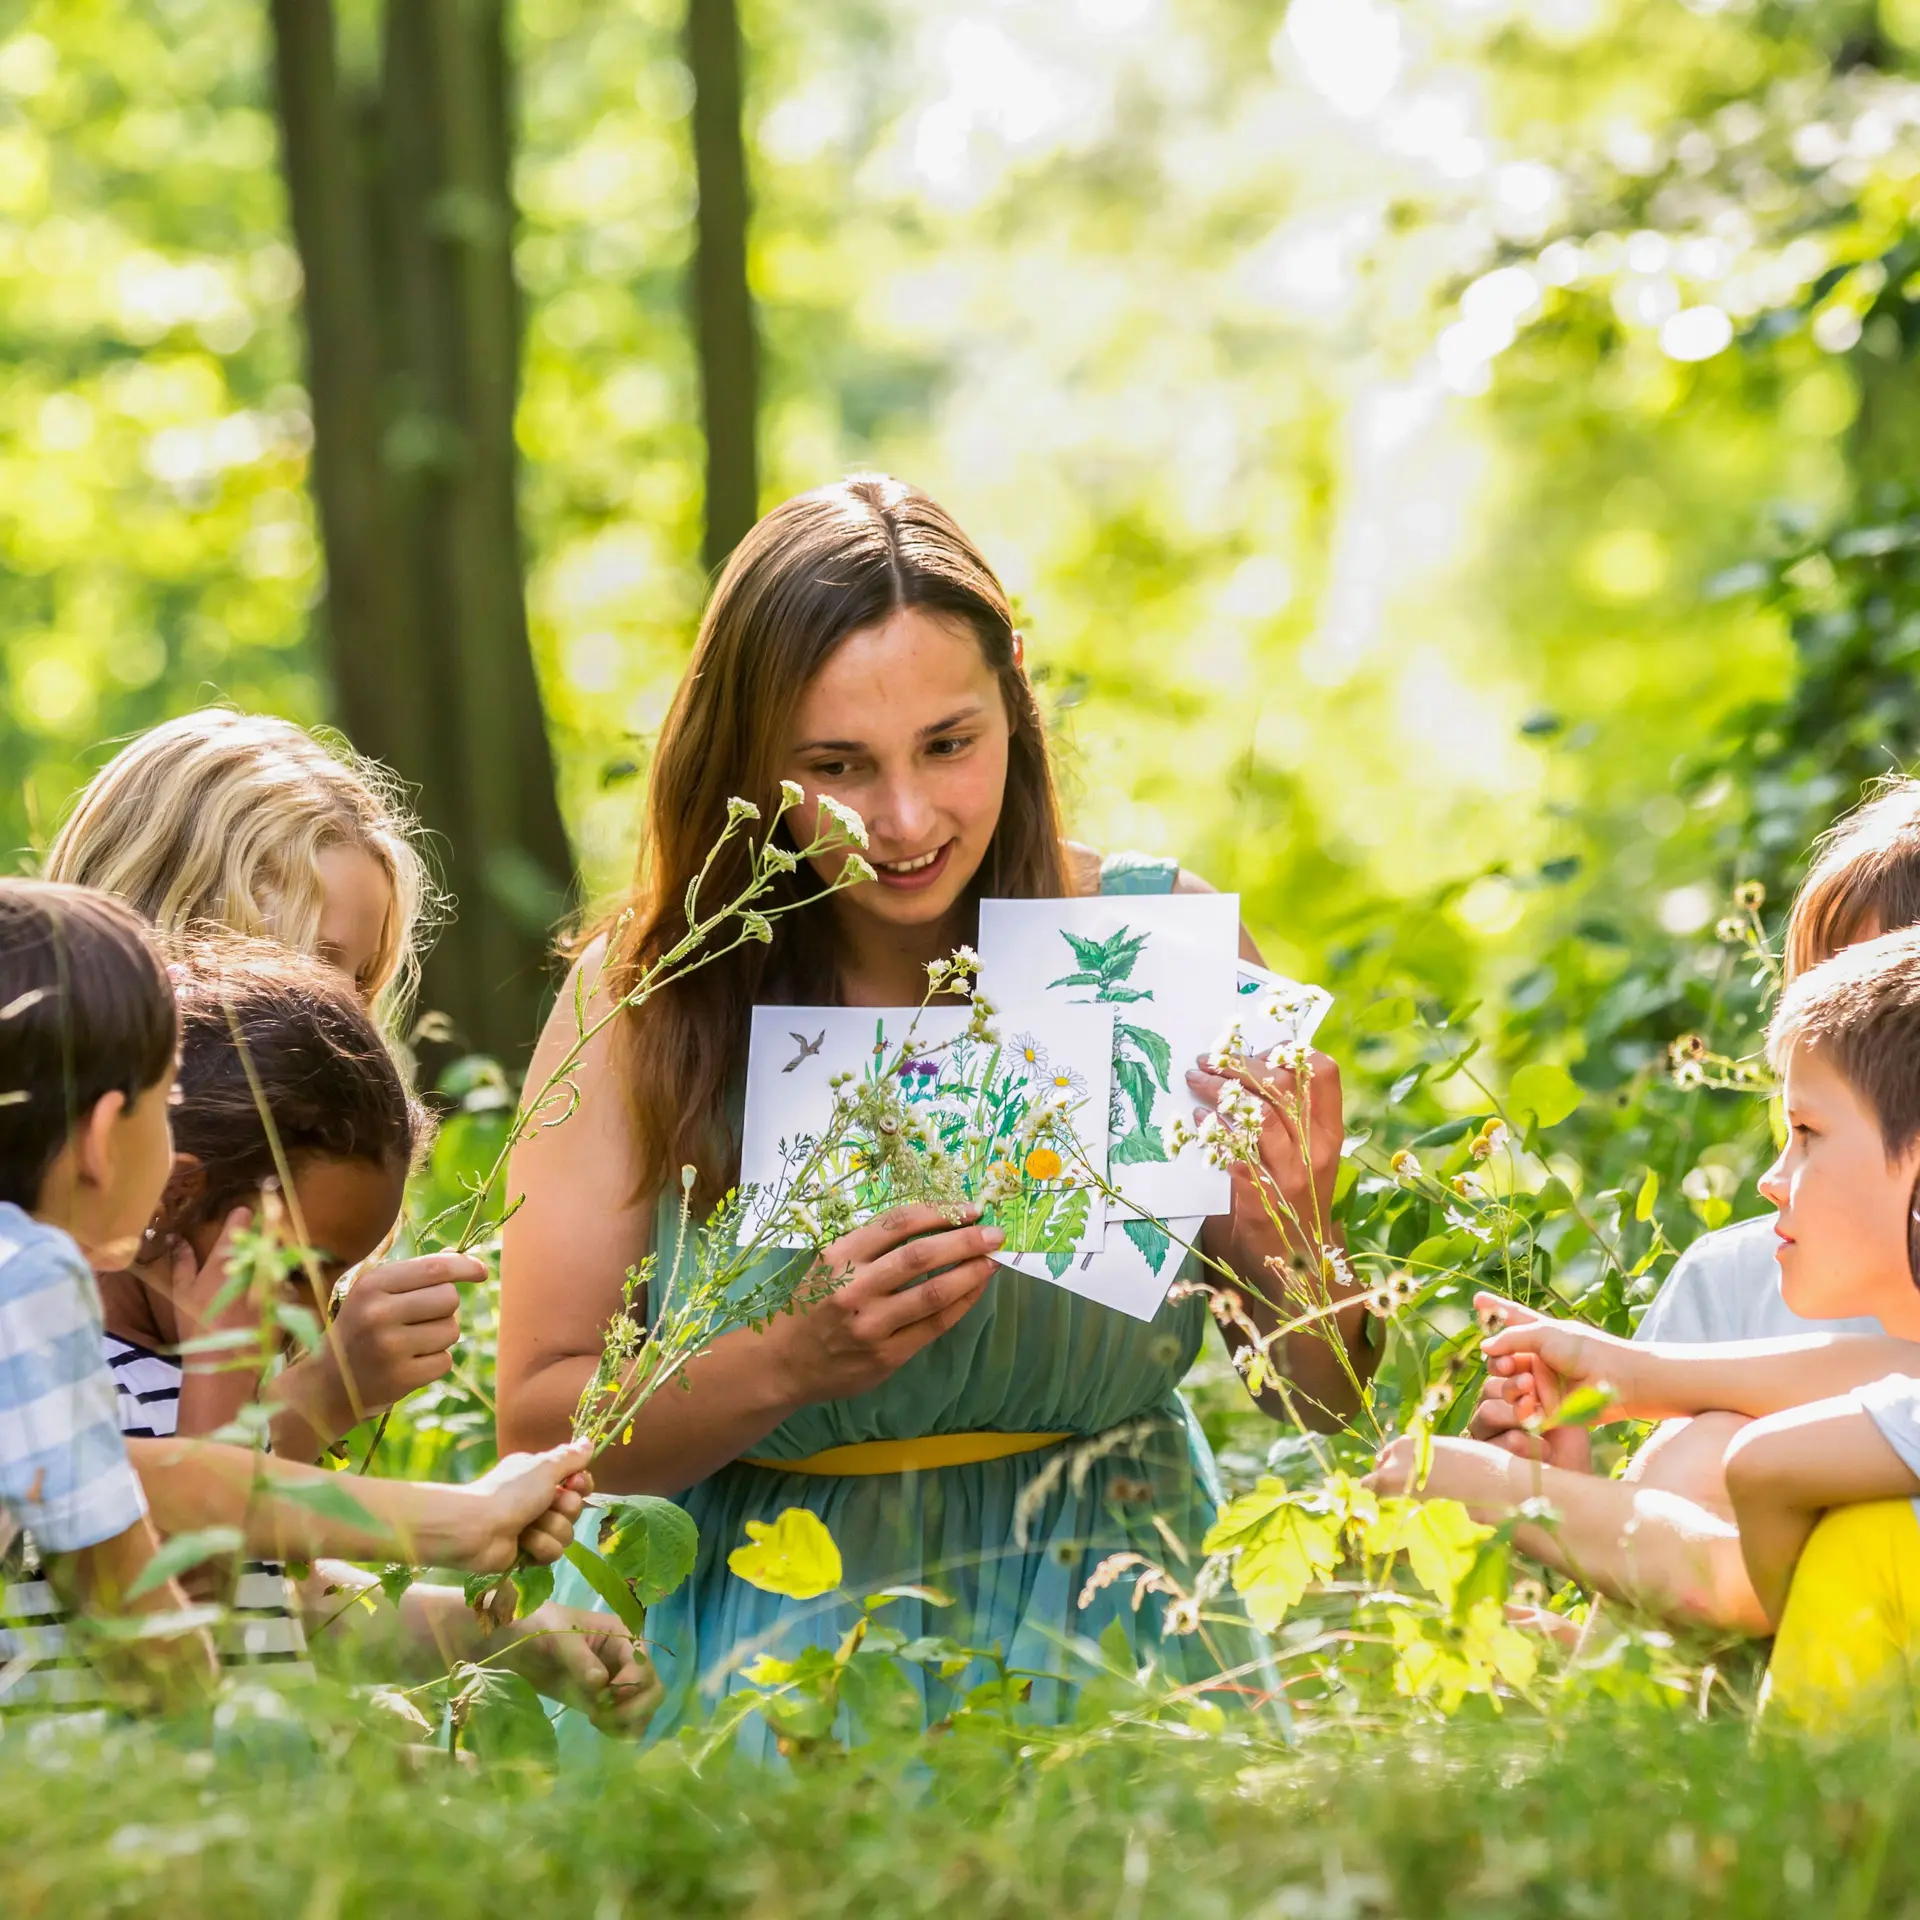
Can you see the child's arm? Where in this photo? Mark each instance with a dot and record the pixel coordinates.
(526, 1505)
(159, 1670)
(588, 1660)
(1542, 1360)
(1654, 1548)
(1785, 1471)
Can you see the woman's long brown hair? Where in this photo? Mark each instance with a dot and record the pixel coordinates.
(813, 571)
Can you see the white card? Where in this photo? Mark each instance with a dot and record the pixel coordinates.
(969, 1097)
(1131, 1273)
(1272, 1011)
(1165, 964)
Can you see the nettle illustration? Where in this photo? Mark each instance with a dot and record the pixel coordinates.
(1142, 1064)
(973, 1119)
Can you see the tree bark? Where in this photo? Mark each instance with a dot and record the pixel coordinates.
(722, 300)
(403, 214)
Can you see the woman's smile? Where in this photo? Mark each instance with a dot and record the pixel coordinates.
(913, 874)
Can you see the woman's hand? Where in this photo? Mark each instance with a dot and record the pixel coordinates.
(1301, 1129)
(884, 1308)
(1480, 1477)
(590, 1661)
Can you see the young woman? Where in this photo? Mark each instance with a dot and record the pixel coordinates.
(858, 644)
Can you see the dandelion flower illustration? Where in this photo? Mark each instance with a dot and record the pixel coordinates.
(1043, 1164)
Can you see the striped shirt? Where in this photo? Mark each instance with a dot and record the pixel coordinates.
(261, 1627)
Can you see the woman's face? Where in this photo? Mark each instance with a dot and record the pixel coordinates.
(355, 899)
(905, 725)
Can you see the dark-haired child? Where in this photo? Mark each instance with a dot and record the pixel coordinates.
(284, 1085)
(87, 1038)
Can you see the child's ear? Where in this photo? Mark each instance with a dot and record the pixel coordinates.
(92, 1144)
(181, 1198)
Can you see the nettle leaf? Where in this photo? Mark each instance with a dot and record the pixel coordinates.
(609, 1586)
(1135, 1083)
(1090, 953)
(650, 1542)
(184, 1552)
(1157, 1049)
(1136, 1148)
(1075, 980)
(795, 1556)
(1151, 1239)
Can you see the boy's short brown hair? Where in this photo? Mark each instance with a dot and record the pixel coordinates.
(1865, 877)
(1861, 1010)
(85, 1010)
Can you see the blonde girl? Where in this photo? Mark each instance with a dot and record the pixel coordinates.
(242, 822)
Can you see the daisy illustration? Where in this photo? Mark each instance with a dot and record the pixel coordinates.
(1032, 1054)
(1064, 1080)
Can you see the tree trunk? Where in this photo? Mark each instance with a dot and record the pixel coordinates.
(403, 215)
(722, 302)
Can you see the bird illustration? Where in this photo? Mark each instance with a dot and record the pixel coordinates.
(807, 1047)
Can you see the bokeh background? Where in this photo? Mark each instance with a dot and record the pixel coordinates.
(1449, 454)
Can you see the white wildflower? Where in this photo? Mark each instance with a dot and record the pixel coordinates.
(739, 810)
(844, 817)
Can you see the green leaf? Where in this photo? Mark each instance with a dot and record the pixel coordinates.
(1076, 980)
(1280, 1547)
(1151, 1240)
(504, 1719)
(1136, 1148)
(1155, 1046)
(1584, 1406)
(650, 1542)
(326, 1497)
(795, 1556)
(1135, 1083)
(1439, 1537)
(184, 1552)
(1649, 1192)
(1547, 1091)
(534, 1585)
(609, 1586)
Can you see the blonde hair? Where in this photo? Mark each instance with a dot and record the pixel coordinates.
(1865, 877)
(219, 819)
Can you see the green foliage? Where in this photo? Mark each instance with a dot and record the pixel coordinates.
(649, 1542)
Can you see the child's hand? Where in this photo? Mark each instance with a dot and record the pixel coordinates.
(1534, 1363)
(525, 1506)
(395, 1331)
(1495, 1422)
(590, 1661)
(1482, 1478)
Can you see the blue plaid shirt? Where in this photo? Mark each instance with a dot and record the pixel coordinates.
(64, 1472)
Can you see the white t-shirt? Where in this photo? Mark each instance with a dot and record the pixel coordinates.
(1726, 1286)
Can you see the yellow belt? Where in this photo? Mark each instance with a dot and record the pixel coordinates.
(914, 1456)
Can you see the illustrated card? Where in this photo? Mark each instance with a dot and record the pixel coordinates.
(1131, 1273)
(1015, 1125)
(1166, 965)
(1272, 1011)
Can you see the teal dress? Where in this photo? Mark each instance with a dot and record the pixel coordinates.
(1012, 1541)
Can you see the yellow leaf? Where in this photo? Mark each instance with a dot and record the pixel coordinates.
(1439, 1537)
(796, 1556)
(1281, 1558)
